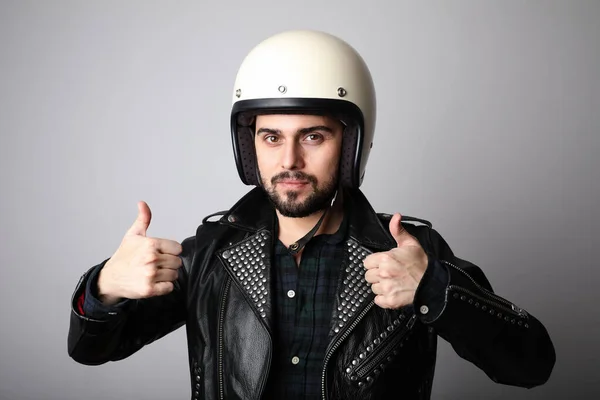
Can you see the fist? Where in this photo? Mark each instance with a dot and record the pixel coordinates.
(394, 275)
(142, 266)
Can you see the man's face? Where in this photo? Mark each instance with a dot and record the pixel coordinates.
(298, 158)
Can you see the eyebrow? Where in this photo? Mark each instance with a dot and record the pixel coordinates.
(302, 131)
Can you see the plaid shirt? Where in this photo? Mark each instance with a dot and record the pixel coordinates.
(304, 297)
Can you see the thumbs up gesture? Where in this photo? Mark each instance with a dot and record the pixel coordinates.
(142, 266)
(395, 274)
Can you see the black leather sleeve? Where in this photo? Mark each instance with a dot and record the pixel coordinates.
(508, 343)
(126, 329)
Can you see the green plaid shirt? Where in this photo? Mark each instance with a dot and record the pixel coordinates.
(304, 297)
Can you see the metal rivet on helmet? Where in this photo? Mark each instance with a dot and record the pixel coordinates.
(282, 89)
(238, 92)
(342, 92)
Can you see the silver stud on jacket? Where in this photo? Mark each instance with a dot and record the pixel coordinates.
(356, 288)
(247, 261)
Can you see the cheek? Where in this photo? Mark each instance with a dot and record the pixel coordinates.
(331, 161)
(323, 164)
(266, 167)
(262, 160)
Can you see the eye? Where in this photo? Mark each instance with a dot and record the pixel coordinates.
(271, 139)
(313, 137)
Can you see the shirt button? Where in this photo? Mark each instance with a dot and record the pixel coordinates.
(291, 293)
(424, 309)
(295, 360)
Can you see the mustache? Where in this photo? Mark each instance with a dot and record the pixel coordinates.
(293, 175)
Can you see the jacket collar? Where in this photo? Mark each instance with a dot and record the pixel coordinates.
(248, 261)
(254, 212)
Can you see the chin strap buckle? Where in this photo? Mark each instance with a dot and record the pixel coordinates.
(298, 245)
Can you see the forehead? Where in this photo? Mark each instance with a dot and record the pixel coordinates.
(285, 122)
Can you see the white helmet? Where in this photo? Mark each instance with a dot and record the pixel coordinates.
(305, 72)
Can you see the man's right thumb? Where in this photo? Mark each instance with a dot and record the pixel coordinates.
(142, 222)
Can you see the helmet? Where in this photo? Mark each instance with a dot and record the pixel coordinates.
(307, 72)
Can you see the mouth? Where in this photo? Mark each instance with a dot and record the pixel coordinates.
(292, 183)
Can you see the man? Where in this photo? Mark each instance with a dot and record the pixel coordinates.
(301, 289)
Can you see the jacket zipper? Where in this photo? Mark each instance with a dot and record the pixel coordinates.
(494, 304)
(221, 339)
(499, 302)
(389, 347)
(333, 348)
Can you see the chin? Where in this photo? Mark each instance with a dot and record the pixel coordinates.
(297, 210)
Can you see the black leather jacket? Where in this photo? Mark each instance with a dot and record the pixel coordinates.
(223, 296)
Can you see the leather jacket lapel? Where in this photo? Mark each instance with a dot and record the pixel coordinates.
(248, 263)
(354, 293)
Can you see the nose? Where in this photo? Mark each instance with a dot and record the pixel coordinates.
(292, 157)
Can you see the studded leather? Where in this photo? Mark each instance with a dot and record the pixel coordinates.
(356, 290)
(514, 317)
(248, 264)
(381, 351)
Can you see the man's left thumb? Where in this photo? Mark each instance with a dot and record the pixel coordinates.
(397, 230)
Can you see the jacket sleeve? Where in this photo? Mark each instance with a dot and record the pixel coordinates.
(126, 329)
(505, 341)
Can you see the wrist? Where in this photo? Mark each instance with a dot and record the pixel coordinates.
(104, 291)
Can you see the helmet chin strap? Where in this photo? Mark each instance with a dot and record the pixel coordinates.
(297, 246)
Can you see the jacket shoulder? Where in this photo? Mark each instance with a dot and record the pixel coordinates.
(210, 234)
(385, 219)
(420, 228)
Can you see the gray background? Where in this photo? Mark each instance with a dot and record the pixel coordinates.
(488, 126)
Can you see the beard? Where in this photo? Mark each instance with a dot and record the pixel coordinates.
(289, 205)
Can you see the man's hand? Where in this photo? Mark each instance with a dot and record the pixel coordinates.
(395, 274)
(142, 266)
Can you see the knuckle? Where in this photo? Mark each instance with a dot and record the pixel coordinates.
(386, 286)
(168, 288)
(150, 272)
(381, 301)
(152, 243)
(173, 275)
(386, 257)
(147, 291)
(151, 257)
(163, 288)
